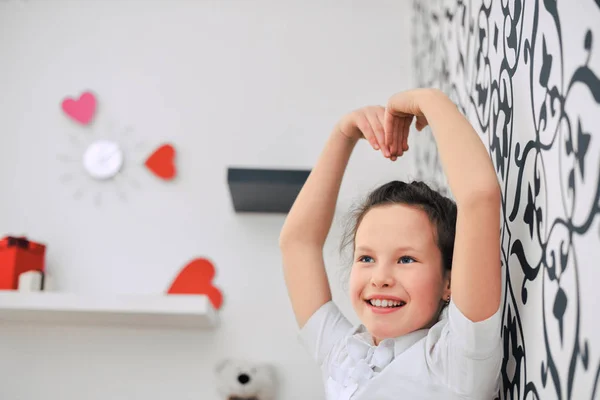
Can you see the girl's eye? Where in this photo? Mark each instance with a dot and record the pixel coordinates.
(366, 259)
(406, 260)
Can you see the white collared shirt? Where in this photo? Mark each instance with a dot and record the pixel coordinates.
(455, 359)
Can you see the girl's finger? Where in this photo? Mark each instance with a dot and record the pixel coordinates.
(421, 123)
(394, 145)
(402, 130)
(391, 136)
(377, 128)
(388, 126)
(363, 124)
(406, 131)
(381, 118)
(398, 135)
(394, 149)
(379, 134)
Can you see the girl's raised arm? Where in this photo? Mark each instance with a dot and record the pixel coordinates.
(308, 223)
(476, 275)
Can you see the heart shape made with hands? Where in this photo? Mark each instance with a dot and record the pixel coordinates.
(162, 162)
(196, 278)
(82, 109)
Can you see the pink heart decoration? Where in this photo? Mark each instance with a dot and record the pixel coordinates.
(81, 110)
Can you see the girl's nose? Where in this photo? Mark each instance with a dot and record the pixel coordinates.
(382, 277)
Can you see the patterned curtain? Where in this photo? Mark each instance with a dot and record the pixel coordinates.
(527, 75)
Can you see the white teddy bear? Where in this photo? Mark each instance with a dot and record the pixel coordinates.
(245, 380)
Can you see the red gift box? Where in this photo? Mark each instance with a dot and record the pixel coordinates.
(18, 255)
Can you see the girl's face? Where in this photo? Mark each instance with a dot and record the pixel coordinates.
(397, 282)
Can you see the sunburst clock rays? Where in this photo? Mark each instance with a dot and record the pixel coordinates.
(105, 156)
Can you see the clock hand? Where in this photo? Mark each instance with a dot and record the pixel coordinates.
(104, 158)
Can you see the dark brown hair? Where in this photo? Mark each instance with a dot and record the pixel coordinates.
(440, 209)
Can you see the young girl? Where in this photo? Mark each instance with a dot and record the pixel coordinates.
(426, 278)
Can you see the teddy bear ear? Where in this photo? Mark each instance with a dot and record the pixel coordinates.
(272, 371)
(221, 365)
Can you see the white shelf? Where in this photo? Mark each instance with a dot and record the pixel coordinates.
(170, 311)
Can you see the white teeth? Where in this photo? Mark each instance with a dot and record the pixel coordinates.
(386, 303)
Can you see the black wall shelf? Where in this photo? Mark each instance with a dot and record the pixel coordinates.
(261, 190)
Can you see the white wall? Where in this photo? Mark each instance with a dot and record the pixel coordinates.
(245, 83)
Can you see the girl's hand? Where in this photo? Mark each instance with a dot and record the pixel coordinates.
(399, 113)
(366, 123)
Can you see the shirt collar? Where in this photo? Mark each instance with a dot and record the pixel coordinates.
(405, 341)
(401, 343)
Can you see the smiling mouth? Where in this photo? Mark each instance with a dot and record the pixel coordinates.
(383, 303)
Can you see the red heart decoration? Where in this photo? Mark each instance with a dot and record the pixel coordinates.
(162, 162)
(81, 110)
(196, 278)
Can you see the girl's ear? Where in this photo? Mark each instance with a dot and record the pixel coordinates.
(447, 289)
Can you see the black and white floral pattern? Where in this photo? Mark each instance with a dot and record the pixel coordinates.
(527, 75)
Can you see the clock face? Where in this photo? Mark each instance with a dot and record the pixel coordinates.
(103, 159)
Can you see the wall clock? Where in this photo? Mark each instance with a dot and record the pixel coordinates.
(103, 159)
(104, 154)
